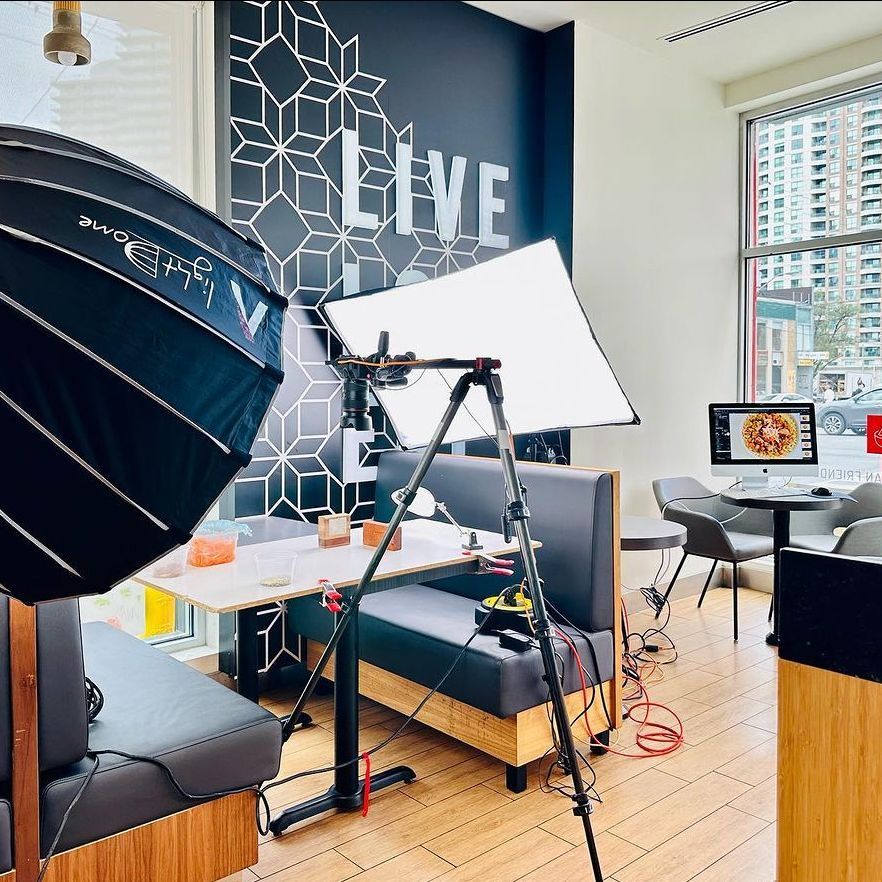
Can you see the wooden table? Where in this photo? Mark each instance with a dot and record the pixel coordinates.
(829, 718)
(431, 550)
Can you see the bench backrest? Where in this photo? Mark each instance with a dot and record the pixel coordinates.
(63, 715)
(572, 515)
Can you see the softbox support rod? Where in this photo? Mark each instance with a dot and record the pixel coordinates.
(481, 373)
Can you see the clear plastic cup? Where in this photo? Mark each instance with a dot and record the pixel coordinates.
(275, 569)
(170, 566)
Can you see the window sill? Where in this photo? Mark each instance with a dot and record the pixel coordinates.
(203, 658)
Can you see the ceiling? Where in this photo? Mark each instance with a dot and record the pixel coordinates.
(765, 41)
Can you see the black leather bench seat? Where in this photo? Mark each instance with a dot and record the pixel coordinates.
(417, 631)
(5, 836)
(212, 739)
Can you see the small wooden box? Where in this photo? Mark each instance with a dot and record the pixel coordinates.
(373, 532)
(334, 530)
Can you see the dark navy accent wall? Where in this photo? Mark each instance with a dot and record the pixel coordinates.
(557, 159)
(471, 83)
(436, 74)
(439, 75)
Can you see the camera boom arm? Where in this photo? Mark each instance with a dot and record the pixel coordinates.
(383, 371)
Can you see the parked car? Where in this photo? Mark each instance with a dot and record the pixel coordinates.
(785, 397)
(850, 413)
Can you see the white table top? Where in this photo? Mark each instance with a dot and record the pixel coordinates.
(427, 545)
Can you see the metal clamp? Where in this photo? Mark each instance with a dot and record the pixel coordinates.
(492, 565)
(331, 597)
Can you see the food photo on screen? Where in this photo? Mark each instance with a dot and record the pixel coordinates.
(767, 435)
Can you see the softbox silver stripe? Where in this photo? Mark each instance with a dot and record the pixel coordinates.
(28, 237)
(105, 157)
(77, 459)
(5, 298)
(34, 541)
(148, 217)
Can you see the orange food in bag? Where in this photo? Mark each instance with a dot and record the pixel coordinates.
(207, 551)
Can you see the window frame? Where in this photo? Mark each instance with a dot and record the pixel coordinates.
(748, 252)
(197, 64)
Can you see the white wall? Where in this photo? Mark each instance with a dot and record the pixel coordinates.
(841, 66)
(655, 259)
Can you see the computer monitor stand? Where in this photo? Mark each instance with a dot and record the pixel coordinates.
(755, 482)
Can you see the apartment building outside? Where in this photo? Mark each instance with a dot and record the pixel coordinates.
(817, 174)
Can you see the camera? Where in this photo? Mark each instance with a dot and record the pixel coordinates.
(359, 374)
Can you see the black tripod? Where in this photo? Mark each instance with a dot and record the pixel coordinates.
(480, 372)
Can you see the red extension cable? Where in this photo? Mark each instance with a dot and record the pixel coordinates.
(653, 738)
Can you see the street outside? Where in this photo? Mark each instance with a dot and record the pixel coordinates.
(844, 459)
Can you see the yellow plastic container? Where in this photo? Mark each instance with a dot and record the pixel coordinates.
(159, 613)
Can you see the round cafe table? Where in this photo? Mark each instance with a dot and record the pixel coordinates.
(650, 534)
(781, 507)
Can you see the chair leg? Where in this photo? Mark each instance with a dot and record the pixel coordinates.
(735, 598)
(710, 576)
(771, 607)
(671, 584)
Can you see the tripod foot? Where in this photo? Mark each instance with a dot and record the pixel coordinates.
(304, 721)
(333, 800)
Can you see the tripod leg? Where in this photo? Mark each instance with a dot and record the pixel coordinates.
(460, 390)
(518, 513)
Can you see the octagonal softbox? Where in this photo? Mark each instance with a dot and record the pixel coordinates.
(140, 349)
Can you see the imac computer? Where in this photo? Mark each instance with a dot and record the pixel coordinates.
(759, 441)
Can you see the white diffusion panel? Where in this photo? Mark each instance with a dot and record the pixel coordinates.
(520, 308)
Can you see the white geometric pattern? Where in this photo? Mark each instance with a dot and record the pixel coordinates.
(294, 88)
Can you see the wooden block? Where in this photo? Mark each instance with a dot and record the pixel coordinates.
(334, 530)
(373, 532)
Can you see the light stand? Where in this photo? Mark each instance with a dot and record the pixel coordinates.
(479, 372)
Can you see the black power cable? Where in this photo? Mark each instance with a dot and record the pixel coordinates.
(64, 819)
(263, 808)
(264, 830)
(94, 699)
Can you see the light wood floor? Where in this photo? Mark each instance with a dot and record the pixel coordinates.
(705, 813)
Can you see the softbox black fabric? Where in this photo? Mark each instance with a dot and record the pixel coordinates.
(140, 349)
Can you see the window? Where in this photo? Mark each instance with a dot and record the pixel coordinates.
(138, 98)
(813, 284)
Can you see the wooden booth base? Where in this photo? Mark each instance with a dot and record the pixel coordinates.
(829, 776)
(516, 740)
(202, 844)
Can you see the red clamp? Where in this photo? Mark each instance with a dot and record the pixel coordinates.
(493, 565)
(331, 597)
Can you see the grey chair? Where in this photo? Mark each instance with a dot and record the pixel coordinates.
(715, 531)
(862, 520)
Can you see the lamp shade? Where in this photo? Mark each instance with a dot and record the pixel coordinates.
(141, 349)
(65, 43)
